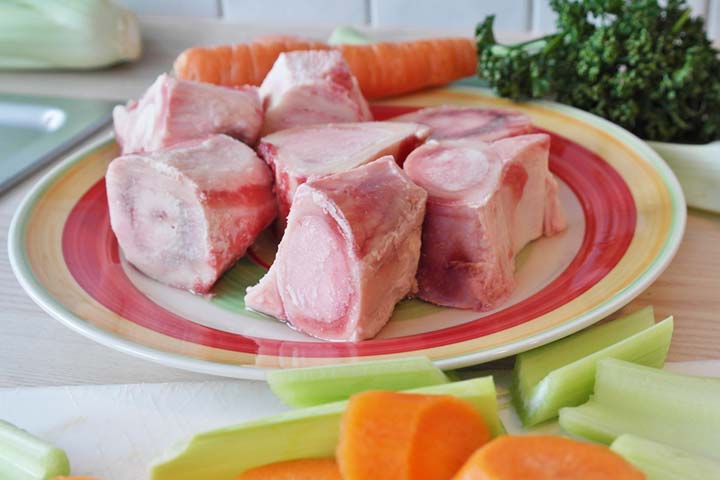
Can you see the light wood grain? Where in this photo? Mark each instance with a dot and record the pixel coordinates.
(37, 350)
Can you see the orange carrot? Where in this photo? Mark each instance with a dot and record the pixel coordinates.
(393, 68)
(304, 469)
(240, 64)
(382, 69)
(537, 457)
(400, 436)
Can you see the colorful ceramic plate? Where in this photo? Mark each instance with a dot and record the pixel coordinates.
(626, 218)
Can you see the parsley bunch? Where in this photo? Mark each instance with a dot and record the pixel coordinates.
(647, 67)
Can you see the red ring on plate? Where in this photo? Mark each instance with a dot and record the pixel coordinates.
(91, 254)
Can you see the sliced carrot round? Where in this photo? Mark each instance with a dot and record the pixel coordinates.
(541, 457)
(303, 469)
(399, 436)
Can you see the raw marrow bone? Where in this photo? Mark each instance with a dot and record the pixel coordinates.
(305, 153)
(173, 111)
(485, 203)
(453, 122)
(349, 254)
(311, 87)
(184, 215)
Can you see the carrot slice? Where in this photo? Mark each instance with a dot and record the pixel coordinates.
(303, 469)
(398, 436)
(540, 457)
(382, 69)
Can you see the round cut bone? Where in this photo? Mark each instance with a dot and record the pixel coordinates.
(449, 122)
(486, 201)
(184, 215)
(349, 254)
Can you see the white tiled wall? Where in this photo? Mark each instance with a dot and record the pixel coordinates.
(713, 18)
(297, 12)
(182, 8)
(512, 15)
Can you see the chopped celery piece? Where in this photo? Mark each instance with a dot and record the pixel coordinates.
(305, 387)
(537, 363)
(666, 394)
(349, 36)
(302, 433)
(661, 462)
(678, 410)
(26, 457)
(562, 373)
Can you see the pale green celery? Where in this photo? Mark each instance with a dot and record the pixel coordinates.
(305, 387)
(302, 433)
(533, 365)
(670, 396)
(697, 169)
(349, 36)
(26, 457)
(670, 408)
(662, 462)
(562, 373)
(42, 34)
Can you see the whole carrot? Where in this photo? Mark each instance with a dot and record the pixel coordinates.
(382, 69)
(239, 64)
(393, 68)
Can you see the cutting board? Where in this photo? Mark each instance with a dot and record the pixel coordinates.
(115, 432)
(35, 130)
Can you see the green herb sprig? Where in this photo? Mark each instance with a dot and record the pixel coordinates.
(647, 67)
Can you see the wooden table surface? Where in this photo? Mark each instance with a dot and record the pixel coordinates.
(37, 350)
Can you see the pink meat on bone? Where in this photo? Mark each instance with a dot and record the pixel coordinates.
(453, 122)
(309, 87)
(173, 111)
(349, 254)
(184, 215)
(486, 201)
(304, 153)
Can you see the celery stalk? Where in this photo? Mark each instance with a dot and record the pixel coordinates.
(661, 462)
(41, 34)
(677, 410)
(305, 387)
(26, 457)
(671, 395)
(562, 373)
(302, 433)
